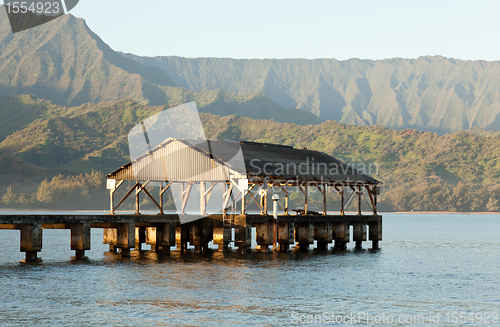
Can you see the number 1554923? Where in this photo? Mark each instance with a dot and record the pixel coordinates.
(35, 7)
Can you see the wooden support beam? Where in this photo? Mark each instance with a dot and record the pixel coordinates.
(185, 196)
(137, 200)
(208, 192)
(341, 192)
(306, 197)
(372, 195)
(243, 196)
(227, 197)
(166, 187)
(258, 205)
(163, 190)
(305, 191)
(370, 203)
(323, 191)
(360, 193)
(254, 196)
(161, 197)
(203, 199)
(111, 200)
(111, 197)
(240, 192)
(350, 198)
(342, 210)
(284, 188)
(282, 208)
(286, 198)
(125, 197)
(143, 188)
(263, 197)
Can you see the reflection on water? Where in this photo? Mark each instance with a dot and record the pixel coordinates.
(427, 263)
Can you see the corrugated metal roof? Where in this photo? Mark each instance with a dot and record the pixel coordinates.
(277, 161)
(202, 160)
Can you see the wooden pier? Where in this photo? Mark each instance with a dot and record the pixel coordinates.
(162, 232)
(245, 174)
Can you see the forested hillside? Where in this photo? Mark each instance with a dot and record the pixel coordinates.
(420, 170)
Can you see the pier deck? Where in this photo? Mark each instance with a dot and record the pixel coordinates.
(162, 231)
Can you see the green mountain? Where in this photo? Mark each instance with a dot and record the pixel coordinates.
(429, 93)
(65, 62)
(420, 170)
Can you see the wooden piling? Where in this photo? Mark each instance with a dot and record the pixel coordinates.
(182, 236)
(218, 237)
(31, 240)
(242, 233)
(375, 232)
(323, 234)
(285, 235)
(359, 234)
(110, 237)
(200, 234)
(151, 237)
(341, 231)
(264, 235)
(125, 239)
(80, 239)
(164, 237)
(304, 233)
(140, 237)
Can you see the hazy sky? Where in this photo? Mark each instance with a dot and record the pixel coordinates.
(367, 29)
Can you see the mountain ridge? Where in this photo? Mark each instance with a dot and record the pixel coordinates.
(65, 62)
(59, 61)
(429, 93)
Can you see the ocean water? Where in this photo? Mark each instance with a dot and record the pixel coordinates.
(431, 269)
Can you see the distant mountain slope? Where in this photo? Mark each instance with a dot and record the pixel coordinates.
(52, 136)
(428, 93)
(94, 136)
(65, 62)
